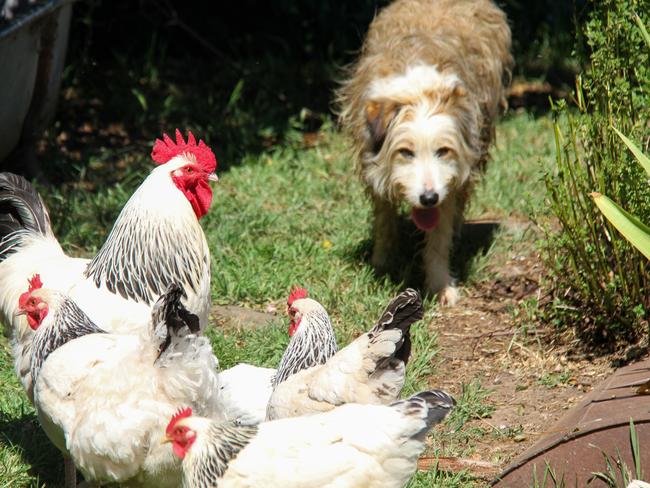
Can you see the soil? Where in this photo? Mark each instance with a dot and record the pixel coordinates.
(533, 374)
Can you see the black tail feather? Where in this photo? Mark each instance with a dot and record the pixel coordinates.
(170, 313)
(432, 405)
(402, 312)
(21, 209)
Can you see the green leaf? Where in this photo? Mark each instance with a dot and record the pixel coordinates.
(636, 455)
(235, 95)
(638, 154)
(142, 100)
(627, 224)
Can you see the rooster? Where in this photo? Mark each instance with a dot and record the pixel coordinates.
(103, 399)
(155, 241)
(371, 369)
(351, 446)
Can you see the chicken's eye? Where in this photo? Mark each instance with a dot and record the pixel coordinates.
(189, 169)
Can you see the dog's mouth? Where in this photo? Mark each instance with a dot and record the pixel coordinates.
(426, 219)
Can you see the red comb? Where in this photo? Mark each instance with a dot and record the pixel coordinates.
(34, 284)
(296, 294)
(181, 414)
(167, 149)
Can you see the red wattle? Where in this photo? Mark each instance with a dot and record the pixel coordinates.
(197, 192)
(202, 198)
(33, 322)
(178, 450)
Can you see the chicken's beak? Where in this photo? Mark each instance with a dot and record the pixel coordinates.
(20, 312)
(213, 177)
(165, 440)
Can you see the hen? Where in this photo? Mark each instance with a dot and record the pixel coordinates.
(352, 446)
(371, 369)
(244, 393)
(246, 389)
(103, 399)
(310, 345)
(155, 241)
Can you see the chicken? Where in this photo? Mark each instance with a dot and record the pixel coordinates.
(310, 345)
(371, 369)
(364, 446)
(155, 241)
(244, 393)
(103, 399)
(246, 389)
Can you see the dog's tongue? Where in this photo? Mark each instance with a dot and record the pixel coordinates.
(426, 219)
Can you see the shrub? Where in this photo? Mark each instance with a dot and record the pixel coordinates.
(600, 282)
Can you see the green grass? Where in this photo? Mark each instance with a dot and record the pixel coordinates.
(289, 215)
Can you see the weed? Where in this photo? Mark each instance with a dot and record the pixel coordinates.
(471, 405)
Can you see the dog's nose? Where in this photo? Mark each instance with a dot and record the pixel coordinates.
(429, 198)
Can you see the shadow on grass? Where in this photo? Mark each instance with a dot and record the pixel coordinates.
(474, 240)
(26, 436)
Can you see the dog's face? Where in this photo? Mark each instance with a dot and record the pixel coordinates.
(423, 142)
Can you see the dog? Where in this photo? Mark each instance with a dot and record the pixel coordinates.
(420, 105)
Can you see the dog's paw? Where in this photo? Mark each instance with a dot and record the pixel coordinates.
(448, 296)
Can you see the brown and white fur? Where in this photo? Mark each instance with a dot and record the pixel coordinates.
(420, 105)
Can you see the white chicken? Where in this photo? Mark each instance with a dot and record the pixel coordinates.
(310, 345)
(351, 446)
(371, 369)
(246, 389)
(244, 393)
(155, 241)
(103, 399)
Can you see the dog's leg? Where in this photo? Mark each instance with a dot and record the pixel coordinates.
(386, 234)
(436, 256)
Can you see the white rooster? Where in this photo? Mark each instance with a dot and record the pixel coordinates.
(351, 446)
(371, 369)
(104, 399)
(155, 241)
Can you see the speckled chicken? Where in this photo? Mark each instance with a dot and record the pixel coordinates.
(371, 369)
(351, 446)
(103, 399)
(156, 241)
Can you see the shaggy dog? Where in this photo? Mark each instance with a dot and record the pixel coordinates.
(420, 105)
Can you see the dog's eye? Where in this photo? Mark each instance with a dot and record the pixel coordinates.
(442, 152)
(406, 153)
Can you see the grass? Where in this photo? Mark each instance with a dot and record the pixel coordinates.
(294, 213)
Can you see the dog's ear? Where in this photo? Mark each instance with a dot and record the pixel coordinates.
(457, 92)
(378, 117)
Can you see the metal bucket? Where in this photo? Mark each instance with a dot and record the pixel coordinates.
(32, 54)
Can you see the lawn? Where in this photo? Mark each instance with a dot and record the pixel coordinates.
(292, 214)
